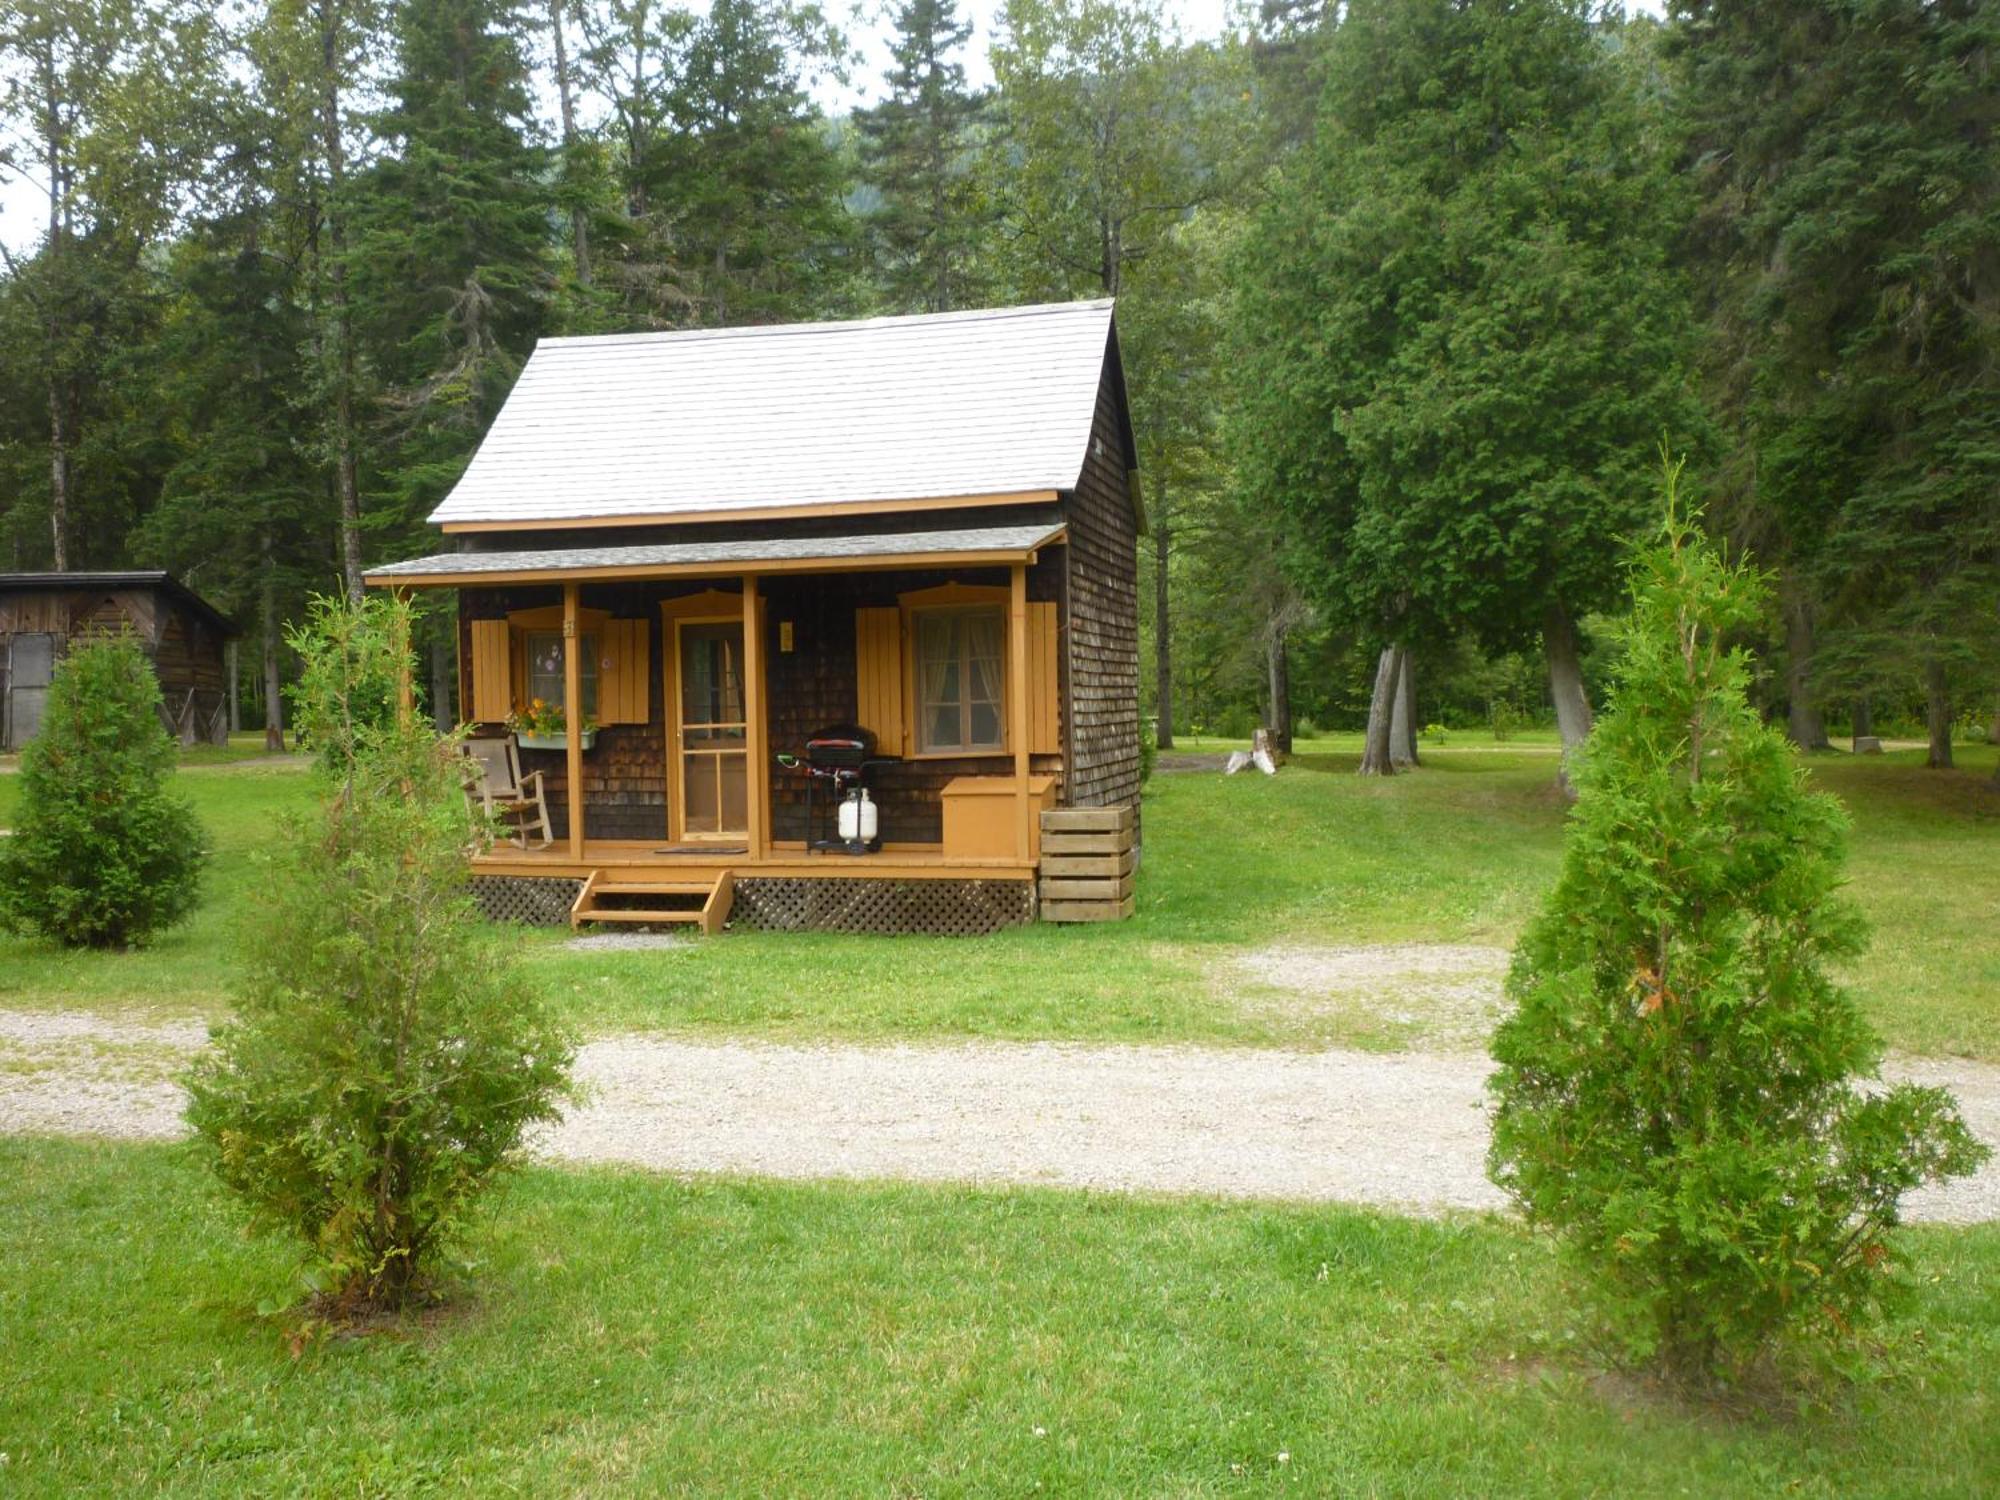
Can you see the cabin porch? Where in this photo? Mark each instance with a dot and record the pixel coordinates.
(702, 684)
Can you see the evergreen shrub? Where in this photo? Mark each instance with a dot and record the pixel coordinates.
(102, 854)
(1680, 1086)
(384, 1061)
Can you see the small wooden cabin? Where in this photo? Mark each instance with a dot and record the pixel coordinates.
(187, 640)
(722, 543)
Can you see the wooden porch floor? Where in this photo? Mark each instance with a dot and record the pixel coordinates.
(783, 861)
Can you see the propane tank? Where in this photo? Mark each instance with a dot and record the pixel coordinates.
(858, 818)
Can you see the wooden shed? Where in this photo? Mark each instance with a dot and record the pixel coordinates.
(723, 543)
(186, 639)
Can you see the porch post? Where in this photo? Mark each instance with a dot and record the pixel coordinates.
(573, 719)
(1017, 703)
(756, 763)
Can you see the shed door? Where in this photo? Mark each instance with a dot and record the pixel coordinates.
(31, 663)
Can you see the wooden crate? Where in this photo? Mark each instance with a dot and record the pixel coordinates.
(1087, 863)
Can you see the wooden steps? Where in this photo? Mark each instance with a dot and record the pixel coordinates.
(1087, 863)
(614, 898)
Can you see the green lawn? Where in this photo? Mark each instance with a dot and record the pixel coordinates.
(635, 1335)
(1460, 852)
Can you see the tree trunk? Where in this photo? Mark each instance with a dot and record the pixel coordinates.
(1802, 715)
(274, 695)
(1937, 715)
(61, 430)
(441, 715)
(1993, 729)
(60, 472)
(1403, 715)
(579, 224)
(1375, 757)
(1277, 658)
(1864, 716)
(1566, 687)
(1163, 640)
(347, 483)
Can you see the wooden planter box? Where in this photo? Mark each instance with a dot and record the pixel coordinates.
(553, 741)
(1088, 857)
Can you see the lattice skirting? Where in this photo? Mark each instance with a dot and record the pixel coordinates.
(890, 907)
(538, 900)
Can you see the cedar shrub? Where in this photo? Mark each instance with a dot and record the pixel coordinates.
(1680, 1087)
(384, 1063)
(102, 854)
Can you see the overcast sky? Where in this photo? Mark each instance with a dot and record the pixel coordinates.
(24, 208)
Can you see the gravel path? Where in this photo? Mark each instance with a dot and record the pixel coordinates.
(1402, 1131)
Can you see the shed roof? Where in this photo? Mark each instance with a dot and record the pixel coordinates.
(155, 578)
(950, 406)
(964, 547)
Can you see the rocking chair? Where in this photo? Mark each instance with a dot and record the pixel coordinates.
(515, 801)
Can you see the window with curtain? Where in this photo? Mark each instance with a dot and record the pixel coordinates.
(545, 670)
(959, 684)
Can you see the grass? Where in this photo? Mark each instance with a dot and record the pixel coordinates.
(631, 1334)
(635, 1335)
(1461, 852)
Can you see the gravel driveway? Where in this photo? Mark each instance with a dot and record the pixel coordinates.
(1402, 1131)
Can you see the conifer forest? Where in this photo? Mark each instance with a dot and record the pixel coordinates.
(1413, 295)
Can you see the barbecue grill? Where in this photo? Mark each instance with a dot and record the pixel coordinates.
(837, 760)
(844, 747)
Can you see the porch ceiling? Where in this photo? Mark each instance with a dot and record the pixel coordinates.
(965, 547)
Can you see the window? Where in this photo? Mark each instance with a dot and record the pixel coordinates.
(545, 670)
(958, 679)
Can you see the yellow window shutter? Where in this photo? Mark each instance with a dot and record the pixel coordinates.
(624, 673)
(1044, 682)
(492, 696)
(878, 671)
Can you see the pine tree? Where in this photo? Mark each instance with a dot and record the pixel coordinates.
(1849, 157)
(749, 176)
(240, 513)
(915, 149)
(107, 105)
(1677, 1086)
(451, 257)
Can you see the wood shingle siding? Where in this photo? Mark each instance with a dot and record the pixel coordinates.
(1103, 585)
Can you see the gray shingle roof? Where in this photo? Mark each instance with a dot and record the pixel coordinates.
(953, 404)
(993, 542)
